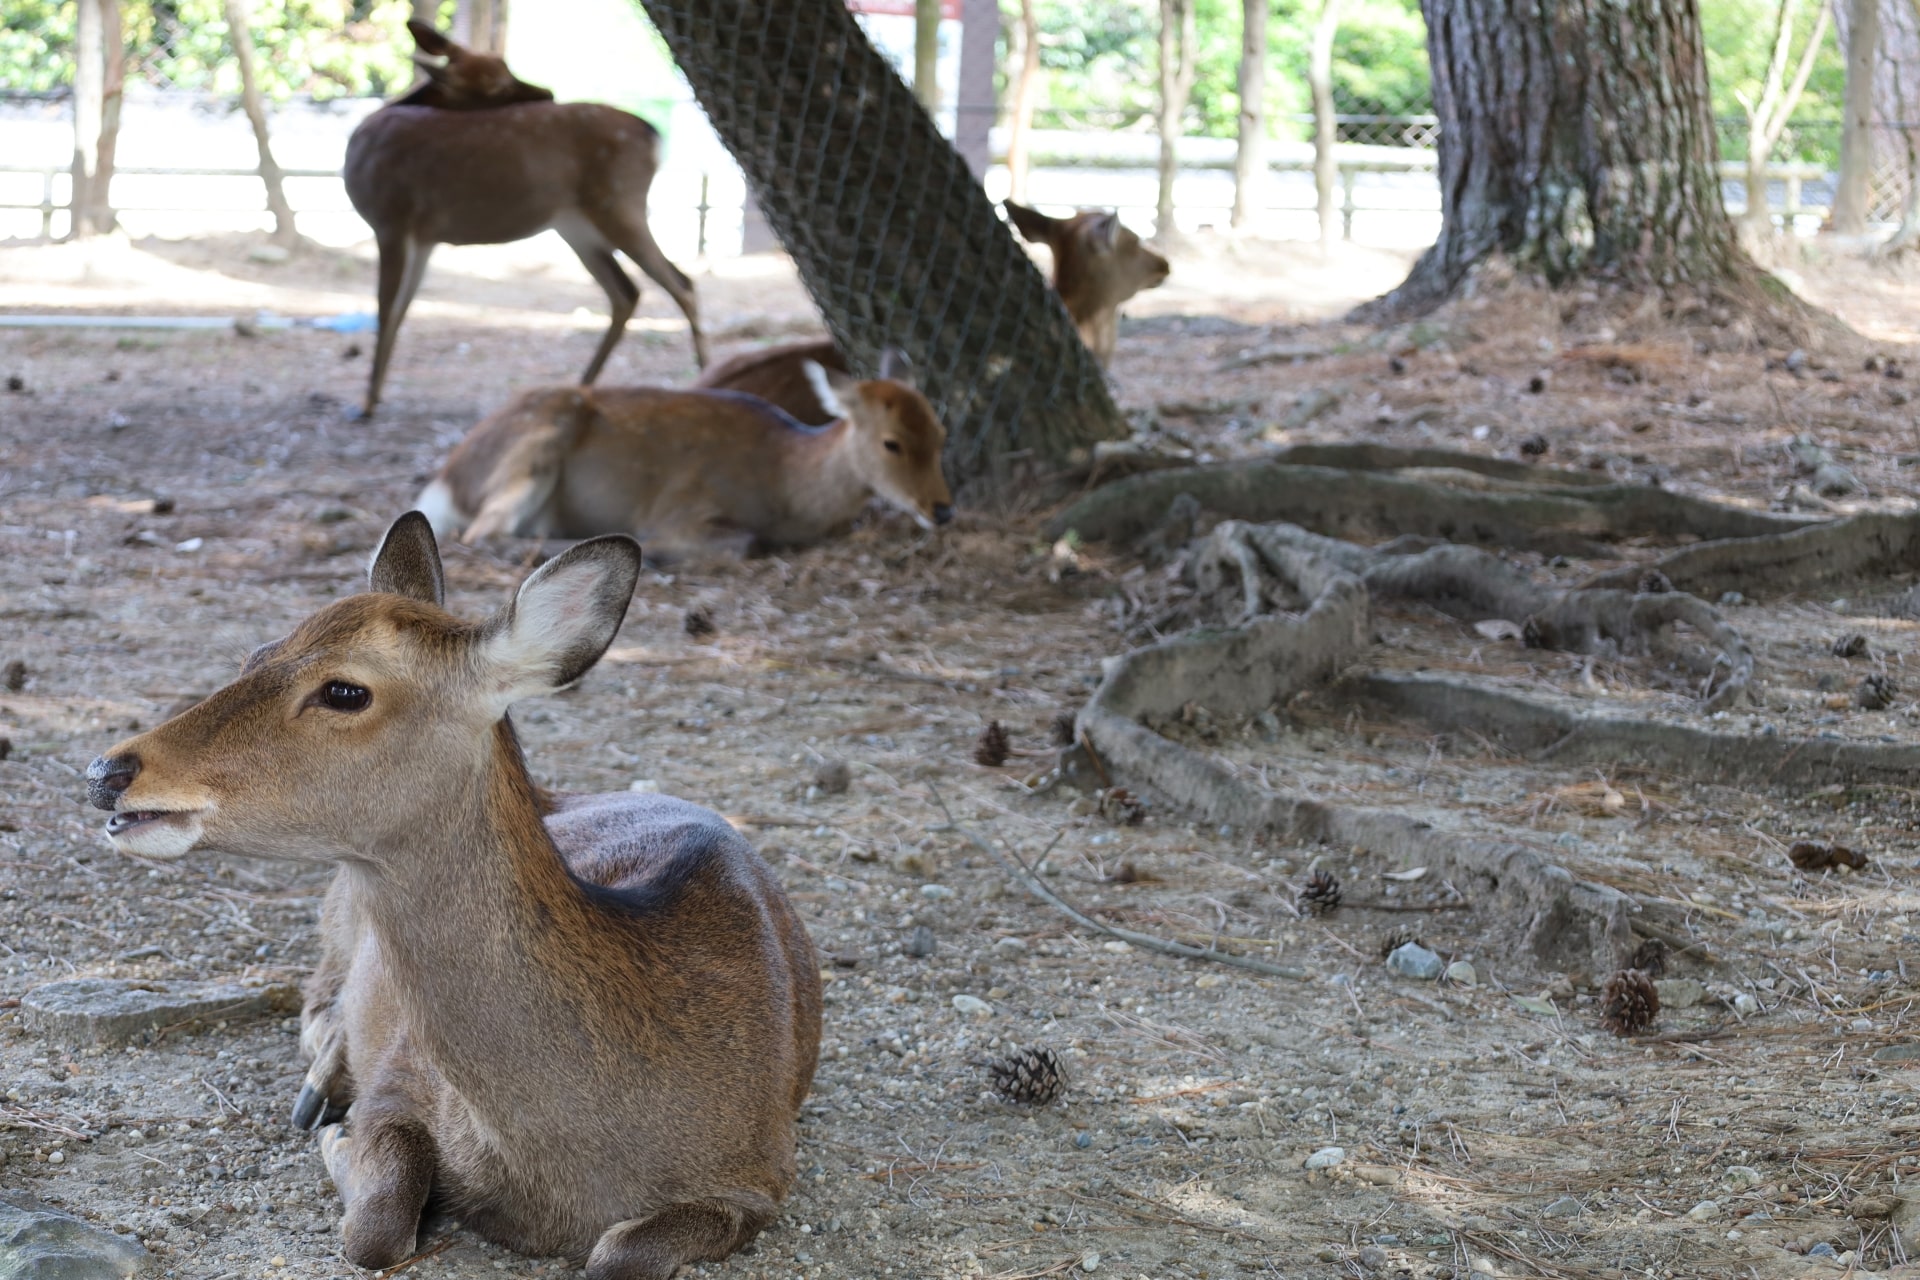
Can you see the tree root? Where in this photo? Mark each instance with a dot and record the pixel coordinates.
(1367, 456)
(1555, 520)
(1869, 545)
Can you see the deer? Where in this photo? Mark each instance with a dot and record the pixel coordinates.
(477, 156)
(693, 471)
(583, 1024)
(1097, 265)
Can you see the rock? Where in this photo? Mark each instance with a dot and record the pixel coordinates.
(1377, 1175)
(1679, 993)
(921, 943)
(972, 1006)
(935, 891)
(1741, 1175)
(268, 253)
(39, 1244)
(1412, 960)
(114, 1010)
(1373, 1257)
(1010, 946)
(1897, 1053)
(644, 786)
(1745, 1005)
(1461, 974)
(1705, 1211)
(833, 777)
(1822, 1250)
(1476, 1222)
(1089, 1261)
(1325, 1158)
(1834, 481)
(1564, 1207)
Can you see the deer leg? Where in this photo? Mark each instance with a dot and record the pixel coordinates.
(403, 261)
(636, 241)
(652, 1248)
(596, 255)
(328, 1088)
(383, 1169)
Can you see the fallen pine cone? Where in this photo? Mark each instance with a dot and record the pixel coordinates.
(1850, 646)
(991, 749)
(1117, 804)
(1630, 1003)
(1033, 1075)
(1396, 940)
(1650, 958)
(698, 622)
(1809, 855)
(1876, 692)
(1534, 446)
(1065, 730)
(1321, 896)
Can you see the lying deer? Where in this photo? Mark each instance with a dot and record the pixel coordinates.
(691, 470)
(583, 1023)
(478, 156)
(1097, 265)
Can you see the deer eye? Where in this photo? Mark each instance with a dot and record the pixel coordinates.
(338, 695)
(893, 446)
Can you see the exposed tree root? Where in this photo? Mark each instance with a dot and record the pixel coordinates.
(1366, 456)
(1870, 545)
(1555, 520)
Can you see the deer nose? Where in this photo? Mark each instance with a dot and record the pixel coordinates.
(942, 512)
(108, 776)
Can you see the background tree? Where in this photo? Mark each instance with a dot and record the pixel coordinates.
(1026, 90)
(99, 74)
(926, 53)
(255, 106)
(1177, 45)
(1767, 115)
(1250, 160)
(1326, 169)
(1862, 44)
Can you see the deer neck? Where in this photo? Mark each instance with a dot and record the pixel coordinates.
(823, 481)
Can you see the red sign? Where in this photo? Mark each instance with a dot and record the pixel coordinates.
(949, 9)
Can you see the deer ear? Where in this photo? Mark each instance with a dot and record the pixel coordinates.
(1103, 230)
(896, 366)
(407, 562)
(1033, 224)
(830, 386)
(429, 41)
(561, 620)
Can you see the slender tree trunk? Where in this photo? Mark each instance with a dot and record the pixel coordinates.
(113, 81)
(1856, 129)
(241, 34)
(1026, 90)
(90, 183)
(481, 25)
(1250, 161)
(1177, 40)
(1575, 136)
(1326, 166)
(1767, 119)
(427, 11)
(926, 54)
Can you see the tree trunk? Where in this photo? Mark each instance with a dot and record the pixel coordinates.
(1250, 161)
(1177, 40)
(1326, 168)
(892, 234)
(1856, 129)
(252, 103)
(926, 53)
(1026, 88)
(1767, 119)
(427, 11)
(1577, 137)
(98, 72)
(481, 25)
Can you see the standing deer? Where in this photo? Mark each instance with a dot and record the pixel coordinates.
(1097, 265)
(582, 1023)
(478, 156)
(693, 470)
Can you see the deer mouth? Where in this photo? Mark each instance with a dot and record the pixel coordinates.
(127, 821)
(134, 829)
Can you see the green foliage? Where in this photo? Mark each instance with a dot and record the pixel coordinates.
(1739, 39)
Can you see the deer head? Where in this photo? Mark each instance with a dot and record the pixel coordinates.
(1097, 264)
(900, 437)
(458, 79)
(336, 740)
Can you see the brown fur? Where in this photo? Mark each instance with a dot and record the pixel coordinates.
(478, 156)
(582, 1023)
(690, 470)
(775, 374)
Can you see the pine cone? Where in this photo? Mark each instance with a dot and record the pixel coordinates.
(1321, 896)
(1033, 1075)
(1396, 940)
(1850, 646)
(698, 622)
(991, 750)
(1117, 804)
(1065, 730)
(1876, 692)
(1535, 445)
(1630, 1003)
(1650, 958)
(1809, 855)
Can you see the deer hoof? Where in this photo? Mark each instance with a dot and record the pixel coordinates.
(309, 1108)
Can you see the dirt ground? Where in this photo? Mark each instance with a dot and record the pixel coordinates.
(170, 499)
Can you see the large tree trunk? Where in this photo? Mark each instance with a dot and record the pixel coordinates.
(926, 53)
(892, 234)
(1577, 137)
(1250, 161)
(1856, 129)
(1026, 89)
(99, 71)
(241, 34)
(1177, 41)
(1326, 169)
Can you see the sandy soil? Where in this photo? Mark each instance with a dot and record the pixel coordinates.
(1482, 1134)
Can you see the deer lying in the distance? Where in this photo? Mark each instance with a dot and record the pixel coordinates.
(693, 470)
(1097, 265)
(477, 156)
(582, 1024)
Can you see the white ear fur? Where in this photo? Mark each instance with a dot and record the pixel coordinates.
(561, 620)
(823, 387)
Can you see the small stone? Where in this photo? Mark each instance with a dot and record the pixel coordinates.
(1476, 1222)
(1462, 974)
(39, 1244)
(1083, 1140)
(972, 1006)
(268, 253)
(1207, 981)
(1732, 598)
(1010, 946)
(1897, 1053)
(1679, 993)
(935, 891)
(1118, 946)
(644, 786)
(114, 1010)
(1705, 1211)
(1325, 1158)
(1746, 1005)
(833, 777)
(1741, 1175)
(1822, 1250)
(1412, 960)
(1089, 1261)
(56, 1157)
(189, 545)
(1564, 1207)
(1373, 1257)
(921, 942)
